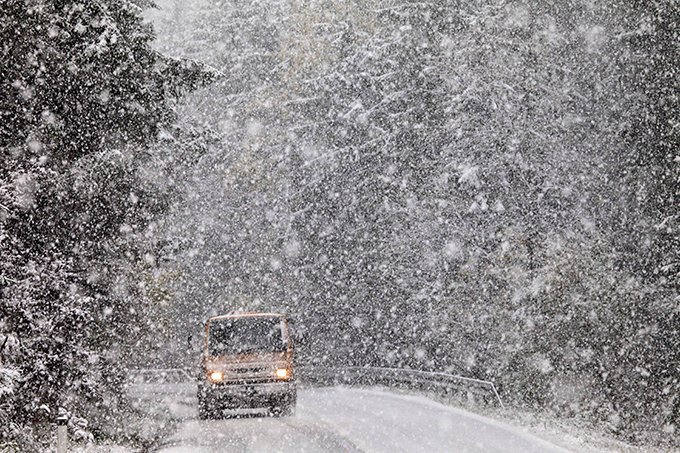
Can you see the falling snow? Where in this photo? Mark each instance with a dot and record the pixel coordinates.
(487, 189)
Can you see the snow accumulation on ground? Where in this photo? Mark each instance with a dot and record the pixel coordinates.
(382, 420)
(374, 420)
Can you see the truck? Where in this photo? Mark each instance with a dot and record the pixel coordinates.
(247, 363)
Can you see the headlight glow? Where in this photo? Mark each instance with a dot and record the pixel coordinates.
(216, 376)
(281, 373)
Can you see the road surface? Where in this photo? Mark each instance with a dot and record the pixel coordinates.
(342, 419)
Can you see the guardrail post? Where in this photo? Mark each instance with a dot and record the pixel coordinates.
(62, 432)
(498, 397)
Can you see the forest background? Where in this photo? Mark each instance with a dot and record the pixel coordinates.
(488, 188)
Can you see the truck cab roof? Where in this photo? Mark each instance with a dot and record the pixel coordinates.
(248, 314)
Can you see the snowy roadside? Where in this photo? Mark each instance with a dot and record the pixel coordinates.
(167, 408)
(159, 410)
(575, 434)
(572, 434)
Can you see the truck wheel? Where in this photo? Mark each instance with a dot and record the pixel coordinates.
(205, 408)
(292, 403)
(286, 406)
(282, 411)
(288, 410)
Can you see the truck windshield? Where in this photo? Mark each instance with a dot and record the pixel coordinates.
(246, 334)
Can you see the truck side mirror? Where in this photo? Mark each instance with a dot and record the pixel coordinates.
(194, 344)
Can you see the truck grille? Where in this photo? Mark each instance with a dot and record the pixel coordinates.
(249, 374)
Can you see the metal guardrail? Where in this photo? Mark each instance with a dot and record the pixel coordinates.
(424, 380)
(323, 376)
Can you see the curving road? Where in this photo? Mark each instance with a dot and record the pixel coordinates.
(347, 419)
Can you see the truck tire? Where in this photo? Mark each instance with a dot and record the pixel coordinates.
(286, 406)
(288, 410)
(205, 408)
(292, 403)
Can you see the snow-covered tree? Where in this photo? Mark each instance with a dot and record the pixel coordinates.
(82, 94)
(484, 186)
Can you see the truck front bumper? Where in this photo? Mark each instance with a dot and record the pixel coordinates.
(248, 395)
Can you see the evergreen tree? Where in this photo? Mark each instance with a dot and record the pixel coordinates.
(82, 94)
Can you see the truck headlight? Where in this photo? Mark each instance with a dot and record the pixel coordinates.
(282, 373)
(216, 376)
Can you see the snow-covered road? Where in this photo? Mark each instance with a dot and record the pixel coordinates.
(349, 419)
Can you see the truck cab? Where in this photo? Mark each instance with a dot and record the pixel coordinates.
(247, 363)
